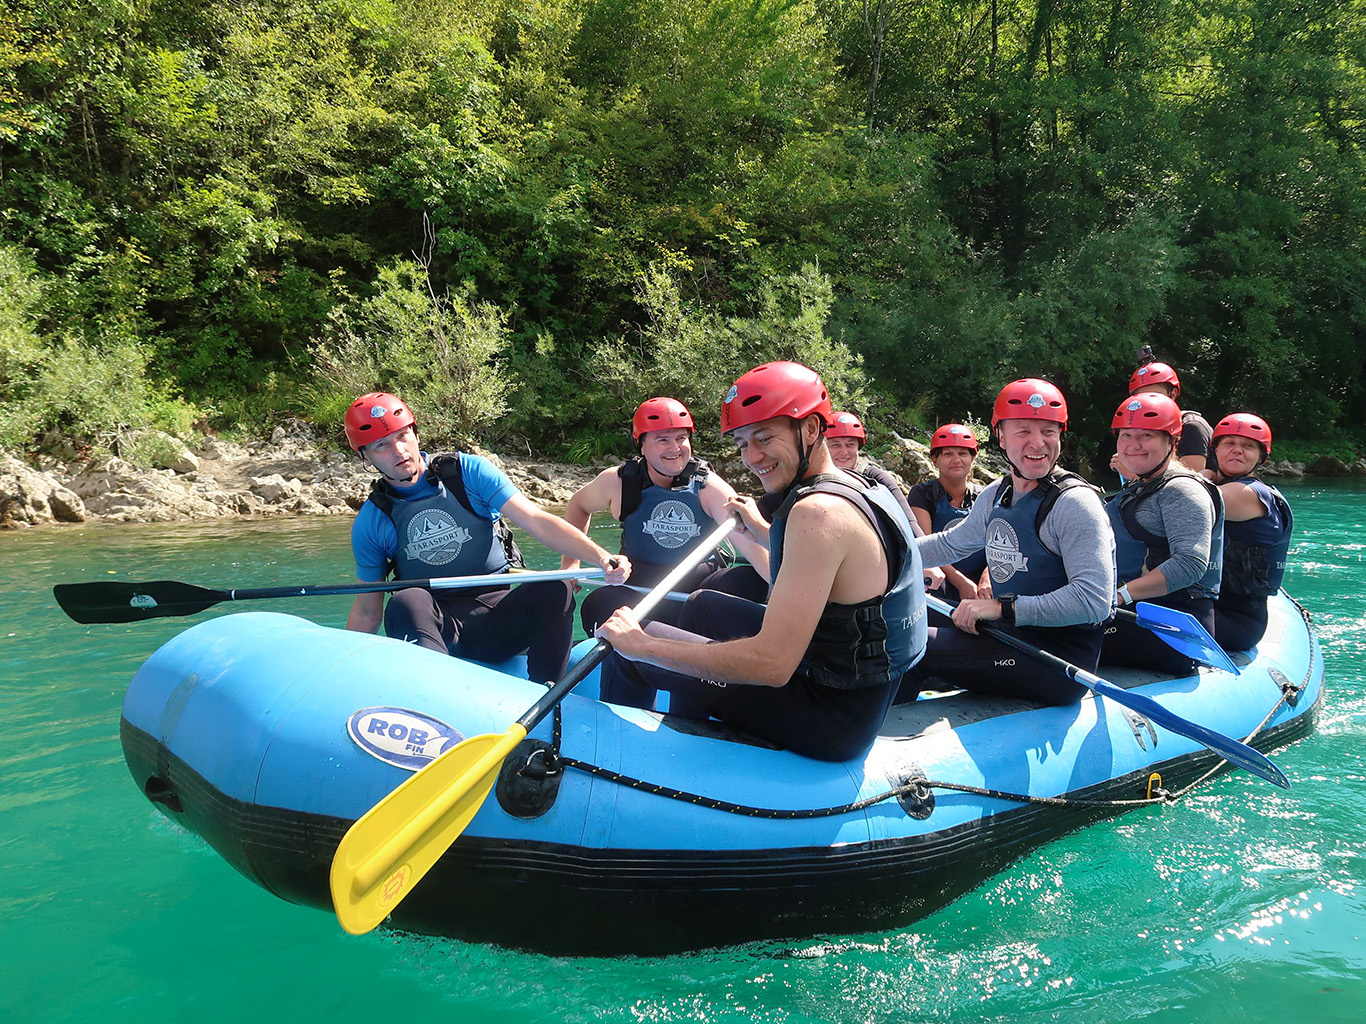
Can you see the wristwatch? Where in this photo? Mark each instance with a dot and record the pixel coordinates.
(1007, 609)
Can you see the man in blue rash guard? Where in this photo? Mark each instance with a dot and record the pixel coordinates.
(1051, 555)
(438, 516)
(815, 669)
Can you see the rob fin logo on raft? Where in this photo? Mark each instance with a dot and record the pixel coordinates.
(402, 738)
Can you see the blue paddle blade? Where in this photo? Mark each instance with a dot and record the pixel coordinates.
(1234, 751)
(1183, 632)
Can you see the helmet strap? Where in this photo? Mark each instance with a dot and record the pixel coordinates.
(804, 453)
(1161, 467)
(1016, 469)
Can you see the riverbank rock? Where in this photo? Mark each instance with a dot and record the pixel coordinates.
(31, 498)
(116, 490)
(169, 452)
(293, 473)
(1292, 470)
(1330, 465)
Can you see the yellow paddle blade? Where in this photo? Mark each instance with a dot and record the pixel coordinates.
(385, 853)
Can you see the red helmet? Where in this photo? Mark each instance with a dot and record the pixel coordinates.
(847, 425)
(1154, 373)
(1030, 399)
(1243, 424)
(952, 435)
(376, 415)
(660, 414)
(775, 389)
(1148, 412)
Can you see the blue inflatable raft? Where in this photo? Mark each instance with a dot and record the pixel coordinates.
(620, 830)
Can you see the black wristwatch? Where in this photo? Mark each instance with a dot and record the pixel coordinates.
(1007, 609)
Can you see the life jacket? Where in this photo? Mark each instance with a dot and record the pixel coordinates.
(873, 643)
(441, 534)
(1130, 536)
(661, 525)
(1020, 562)
(1255, 550)
(946, 514)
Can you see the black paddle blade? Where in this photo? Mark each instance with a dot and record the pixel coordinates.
(111, 601)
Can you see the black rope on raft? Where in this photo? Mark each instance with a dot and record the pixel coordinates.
(917, 789)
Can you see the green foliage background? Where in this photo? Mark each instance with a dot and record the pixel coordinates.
(532, 214)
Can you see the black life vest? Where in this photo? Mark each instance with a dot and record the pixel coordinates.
(1256, 550)
(875, 642)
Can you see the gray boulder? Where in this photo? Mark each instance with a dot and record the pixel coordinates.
(28, 497)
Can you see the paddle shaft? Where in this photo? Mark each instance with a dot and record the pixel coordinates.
(119, 601)
(673, 595)
(1234, 751)
(399, 847)
(644, 607)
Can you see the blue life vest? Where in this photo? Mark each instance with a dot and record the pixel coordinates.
(1020, 562)
(945, 514)
(1129, 550)
(876, 642)
(441, 535)
(1134, 544)
(661, 525)
(1255, 550)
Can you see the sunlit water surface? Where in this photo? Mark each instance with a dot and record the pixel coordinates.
(1241, 904)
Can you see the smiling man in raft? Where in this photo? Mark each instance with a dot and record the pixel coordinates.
(816, 668)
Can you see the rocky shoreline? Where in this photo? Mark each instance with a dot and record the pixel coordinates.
(294, 473)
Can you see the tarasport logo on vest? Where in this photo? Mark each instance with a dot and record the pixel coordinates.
(672, 524)
(1003, 551)
(435, 538)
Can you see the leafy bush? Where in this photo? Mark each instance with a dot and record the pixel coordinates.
(20, 293)
(93, 392)
(438, 352)
(692, 352)
(96, 395)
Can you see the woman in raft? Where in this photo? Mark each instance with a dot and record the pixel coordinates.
(1257, 527)
(845, 438)
(1169, 533)
(940, 503)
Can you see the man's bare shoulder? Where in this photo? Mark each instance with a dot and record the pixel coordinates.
(827, 537)
(826, 514)
(600, 490)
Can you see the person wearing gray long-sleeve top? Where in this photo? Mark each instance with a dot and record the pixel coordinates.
(1050, 551)
(1169, 532)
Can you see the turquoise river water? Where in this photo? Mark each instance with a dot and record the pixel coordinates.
(1240, 904)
